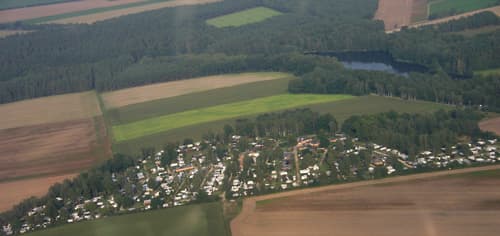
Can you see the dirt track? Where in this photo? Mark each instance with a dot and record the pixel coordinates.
(152, 92)
(492, 125)
(15, 191)
(92, 18)
(439, 207)
(13, 15)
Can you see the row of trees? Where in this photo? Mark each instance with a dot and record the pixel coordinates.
(415, 133)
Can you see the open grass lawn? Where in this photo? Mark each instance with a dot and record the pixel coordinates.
(245, 17)
(340, 109)
(11, 4)
(221, 112)
(488, 72)
(452, 7)
(160, 107)
(191, 220)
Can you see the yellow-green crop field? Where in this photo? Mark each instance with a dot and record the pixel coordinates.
(226, 111)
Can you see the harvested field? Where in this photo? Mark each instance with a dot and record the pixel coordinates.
(51, 149)
(51, 109)
(491, 125)
(423, 204)
(13, 15)
(395, 13)
(92, 18)
(152, 92)
(27, 188)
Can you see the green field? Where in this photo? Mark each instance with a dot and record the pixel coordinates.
(197, 116)
(245, 17)
(89, 11)
(197, 100)
(442, 8)
(11, 4)
(488, 72)
(340, 109)
(192, 220)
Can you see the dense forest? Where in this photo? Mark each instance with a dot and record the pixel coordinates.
(170, 44)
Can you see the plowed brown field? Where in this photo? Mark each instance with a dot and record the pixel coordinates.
(491, 125)
(13, 15)
(409, 205)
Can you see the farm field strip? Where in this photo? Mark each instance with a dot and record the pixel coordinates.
(192, 101)
(26, 188)
(200, 220)
(20, 14)
(489, 72)
(12, 4)
(395, 13)
(51, 109)
(125, 97)
(114, 13)
(458, 6)
(221, 112)
(341, 110)
(245, 17)
(491, 125)
(331, 210)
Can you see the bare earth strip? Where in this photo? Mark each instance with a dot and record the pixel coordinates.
(92, 18)
(51, 109)
(393, 206)
(15, 191)
(491, 125)
(19, 14)
(394, 13)
(147, 93)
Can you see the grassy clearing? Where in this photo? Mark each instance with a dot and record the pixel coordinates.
(474, 32)
(221, 112)
(192, 101)
(245, 17)
(192, 220)
(11, 4)
(340, 109)
(488, 72)
(453, 7)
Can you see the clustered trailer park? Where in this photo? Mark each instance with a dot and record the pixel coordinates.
(246, 167)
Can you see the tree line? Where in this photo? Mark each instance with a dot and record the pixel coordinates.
(171, 44)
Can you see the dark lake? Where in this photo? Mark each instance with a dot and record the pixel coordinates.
(374, 61)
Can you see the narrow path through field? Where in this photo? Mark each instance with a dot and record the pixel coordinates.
(249, 204)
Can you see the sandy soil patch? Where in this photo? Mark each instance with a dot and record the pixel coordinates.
(5, 33)
(394, 13)
(92, 18)
(152, 92)
(15, 191)
(394, 206)
(491, 125)
(52, 149)
(51, 109)
(12, 15)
